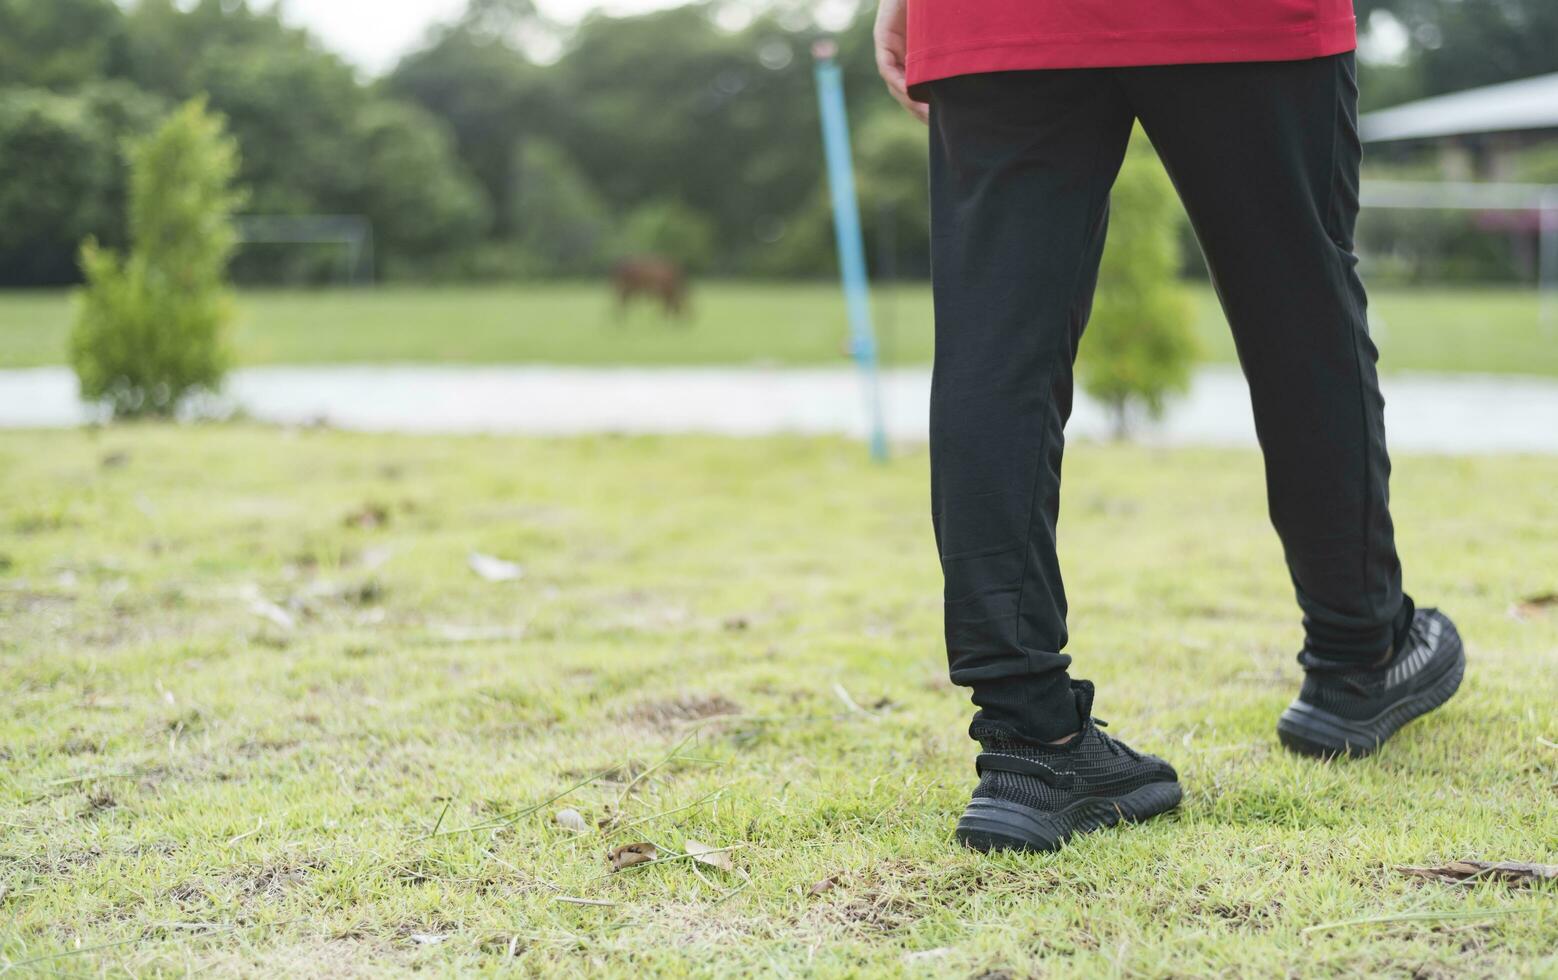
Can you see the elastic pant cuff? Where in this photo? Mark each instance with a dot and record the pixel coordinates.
(1352, 646)
(1039, 708)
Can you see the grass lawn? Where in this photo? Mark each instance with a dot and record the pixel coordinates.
(1492, 330)
(262, 717)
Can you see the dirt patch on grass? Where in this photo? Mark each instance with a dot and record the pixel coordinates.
(883, 899)
(890, 897)
(672, 712)
(273, 880)
(869, 911)
(187, 894)
(486, 880)
(77, 745)
(254, 748)
(1246, 916)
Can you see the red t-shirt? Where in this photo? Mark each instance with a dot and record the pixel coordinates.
(962, 37)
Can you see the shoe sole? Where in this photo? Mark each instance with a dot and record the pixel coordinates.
(1307, 730)
(1001, 825)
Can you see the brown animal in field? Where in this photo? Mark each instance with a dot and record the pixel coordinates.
(653, 277)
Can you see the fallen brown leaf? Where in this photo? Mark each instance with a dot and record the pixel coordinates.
(669, 713)
(714, 857)
(1512, 872)
(630, 854)
(1534, 605)
(823, 886)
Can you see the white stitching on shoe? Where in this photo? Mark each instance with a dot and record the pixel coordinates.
(1019, 758)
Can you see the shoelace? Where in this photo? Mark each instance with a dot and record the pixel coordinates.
(1098, 725)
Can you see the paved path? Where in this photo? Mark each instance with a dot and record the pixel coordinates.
(1436, 413)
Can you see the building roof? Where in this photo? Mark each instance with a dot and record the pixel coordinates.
(1531, 103)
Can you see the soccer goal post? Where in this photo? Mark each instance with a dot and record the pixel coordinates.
(352, 232)
(1538, 201)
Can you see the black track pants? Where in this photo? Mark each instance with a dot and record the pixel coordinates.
(1265, 157)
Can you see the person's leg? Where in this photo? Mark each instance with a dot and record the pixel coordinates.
(1020, 170)
(1265, 157)
(1021, 165)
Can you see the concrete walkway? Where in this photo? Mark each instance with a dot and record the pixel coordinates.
(1433, 413)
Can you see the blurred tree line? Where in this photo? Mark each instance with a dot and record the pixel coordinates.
(1453, 45)
(79, 77)
(658, 133)
(691, 132)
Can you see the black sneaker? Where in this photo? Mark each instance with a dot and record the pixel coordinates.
(1345, 710)
(1033, 797)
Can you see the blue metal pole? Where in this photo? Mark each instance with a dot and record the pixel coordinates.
(846, 228)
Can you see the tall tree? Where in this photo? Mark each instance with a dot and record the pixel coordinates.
(63, 174)
(60, 44)
(1461, 44)
(474, 77)
(315, 139)
(727, 127)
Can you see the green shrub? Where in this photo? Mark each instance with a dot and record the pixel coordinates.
(1140, 344)
(149, 330)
